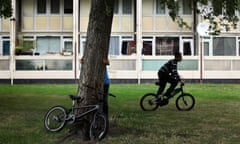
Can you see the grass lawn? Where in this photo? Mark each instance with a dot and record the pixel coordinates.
(215, 118)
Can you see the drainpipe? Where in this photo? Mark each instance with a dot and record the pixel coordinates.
(12, 41)
(75, 37)
(139, 38)
(196, 40)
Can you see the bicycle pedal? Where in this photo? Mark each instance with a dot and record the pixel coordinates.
(74, 97)
(71, 119)
(164, 102)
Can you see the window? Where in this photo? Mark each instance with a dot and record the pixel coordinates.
(147, 47)
(186, 5)
(224, 46)
(63, 65)
(43, 65)
(206, 48)
(48, 45)
(160, 7)
(55, 6)
(167, 45)
(28, 44)
(116, 6)
(222, 8)
(6, 47)
(41, 6)
(127, 6)
(114, 45)
(68, 6)
(123, 7)
(68, 46)
(186, 47)
(48, 6)
(128, 47)
(118, 45)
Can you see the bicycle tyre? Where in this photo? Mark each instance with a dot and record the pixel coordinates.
(185, 102)
(99, 127)
(54, 119)
(148, 102)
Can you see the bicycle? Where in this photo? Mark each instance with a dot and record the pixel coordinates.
(58, 116)
(184, 102)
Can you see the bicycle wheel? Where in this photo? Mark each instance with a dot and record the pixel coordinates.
(185, 102)
(149, 102)
(99, 127)
(54, 119)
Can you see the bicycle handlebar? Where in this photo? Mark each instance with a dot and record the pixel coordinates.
(112, 95)
(182, 84)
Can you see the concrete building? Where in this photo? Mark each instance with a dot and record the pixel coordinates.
(44, 40)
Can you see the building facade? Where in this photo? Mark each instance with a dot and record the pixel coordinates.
(45, 39)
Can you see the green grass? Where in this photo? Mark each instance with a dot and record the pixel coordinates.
(215, 118)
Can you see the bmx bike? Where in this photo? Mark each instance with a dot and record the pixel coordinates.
(58, 116)
(184, 101)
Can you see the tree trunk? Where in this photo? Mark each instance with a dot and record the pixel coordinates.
(97, 45)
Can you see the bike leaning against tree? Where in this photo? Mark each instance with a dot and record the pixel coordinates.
(58, 117)
(184, 101)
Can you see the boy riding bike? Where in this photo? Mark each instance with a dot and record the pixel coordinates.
(168, 73)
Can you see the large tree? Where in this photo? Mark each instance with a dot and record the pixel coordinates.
(5, 8)
(96, 51)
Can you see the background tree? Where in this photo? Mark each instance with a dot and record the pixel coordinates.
(5, 8)
(221, 14)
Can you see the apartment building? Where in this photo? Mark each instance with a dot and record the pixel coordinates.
(44, 40)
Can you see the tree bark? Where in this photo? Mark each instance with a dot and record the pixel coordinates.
(97, 45)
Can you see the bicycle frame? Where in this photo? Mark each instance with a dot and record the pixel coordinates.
(92, 108)
(74, 108)
(177, 90)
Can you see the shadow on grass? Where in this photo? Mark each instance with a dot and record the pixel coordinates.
(181, 135)
(117, 131)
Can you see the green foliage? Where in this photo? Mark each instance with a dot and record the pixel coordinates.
(221, 17)
(5, 8)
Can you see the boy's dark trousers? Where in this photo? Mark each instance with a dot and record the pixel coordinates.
(164, 78)
(105, 99)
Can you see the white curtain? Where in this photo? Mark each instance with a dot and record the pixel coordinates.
(114, 45)
(224, 46)
(47, 45)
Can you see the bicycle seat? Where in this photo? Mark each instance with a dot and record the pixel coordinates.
(74, 97)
